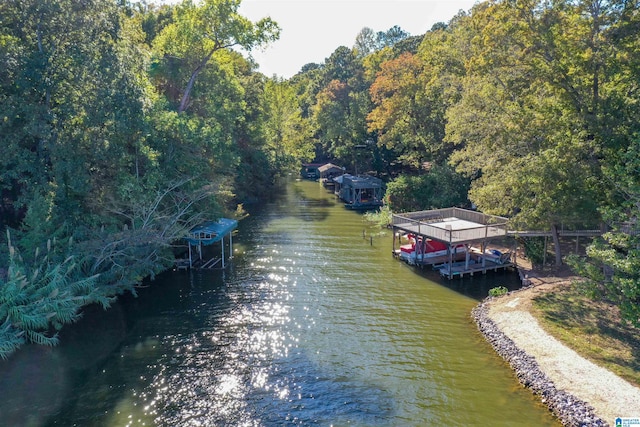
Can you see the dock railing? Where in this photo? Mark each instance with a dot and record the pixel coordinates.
(422, 228)
(420, 223)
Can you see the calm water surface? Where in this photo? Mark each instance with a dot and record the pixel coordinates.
(311, 325)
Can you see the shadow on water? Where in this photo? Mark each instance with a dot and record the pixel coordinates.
(37, 381)
(309, 208)
(99, 356)
(477, 286)
(294, 202)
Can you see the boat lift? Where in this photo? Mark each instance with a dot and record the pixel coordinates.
(207, 234)
(457, 228)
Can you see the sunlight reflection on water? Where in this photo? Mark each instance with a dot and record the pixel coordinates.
(311, 325)
(233, 359)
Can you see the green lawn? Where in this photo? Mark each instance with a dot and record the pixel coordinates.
(593, 329)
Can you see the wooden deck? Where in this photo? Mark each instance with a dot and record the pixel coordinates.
(458, 270)
(457, 227)
(457, 231)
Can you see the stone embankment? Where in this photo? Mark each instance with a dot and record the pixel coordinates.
(567, 408)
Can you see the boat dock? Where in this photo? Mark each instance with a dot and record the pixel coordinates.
(327, 173)
(207, 234)
(361, 192)
(460, 269)
(433, 261)
(465, 234)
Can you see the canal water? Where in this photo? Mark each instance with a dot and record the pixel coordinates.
(313, 323)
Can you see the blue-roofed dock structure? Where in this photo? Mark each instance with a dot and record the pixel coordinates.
(207, 234)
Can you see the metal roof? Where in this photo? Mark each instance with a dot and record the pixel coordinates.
(329, 166)
(361, 181)
(211, 232)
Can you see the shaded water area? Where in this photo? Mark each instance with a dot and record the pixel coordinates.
(311, 324)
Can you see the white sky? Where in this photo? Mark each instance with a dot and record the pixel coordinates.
(311, 30)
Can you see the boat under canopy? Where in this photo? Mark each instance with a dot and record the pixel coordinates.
(458, 229)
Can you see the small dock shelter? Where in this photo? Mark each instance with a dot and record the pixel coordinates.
(463, 235)
(360, 192)
(310, 170)
(337, 184)
(207, 234)
(328, 172)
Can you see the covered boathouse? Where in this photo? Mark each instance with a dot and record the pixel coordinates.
(461, 237)
(207, 234)
(310, 170)
(359, 192)
(327, 173)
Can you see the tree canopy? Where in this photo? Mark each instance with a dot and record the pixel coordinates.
(102, 155)
(200, 30)
(124, 124)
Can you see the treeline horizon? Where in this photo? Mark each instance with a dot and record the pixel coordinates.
(124, 124)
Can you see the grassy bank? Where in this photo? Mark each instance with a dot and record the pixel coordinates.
(591, 328)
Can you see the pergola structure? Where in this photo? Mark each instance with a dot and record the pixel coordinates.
(456, 228)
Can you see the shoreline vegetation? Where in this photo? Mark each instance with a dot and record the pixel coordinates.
(574, 353)
(126, 124)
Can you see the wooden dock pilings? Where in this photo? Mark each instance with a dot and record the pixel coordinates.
(457, 230)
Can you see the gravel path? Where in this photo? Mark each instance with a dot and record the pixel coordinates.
(559, 370)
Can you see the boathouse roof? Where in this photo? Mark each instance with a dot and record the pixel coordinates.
(211, 232)
(361, 181)
(329, 167)
(312, 165)
(452, 225)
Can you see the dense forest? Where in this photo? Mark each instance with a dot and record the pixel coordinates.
(123, 124)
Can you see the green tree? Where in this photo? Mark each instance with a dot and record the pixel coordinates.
(342, 65)
(390, 37)
(329, 113)
(612, 265)
(441, 187)
(408, 116)
(341, 106)
(84, 152)
(287, 134)
(365, 43)
(152, 19)
(72, 107)
(531, 124)
(38, 294)
(198, 31)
